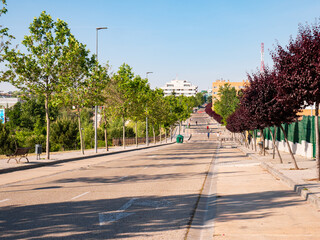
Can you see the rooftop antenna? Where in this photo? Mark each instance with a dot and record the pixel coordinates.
(262, 58)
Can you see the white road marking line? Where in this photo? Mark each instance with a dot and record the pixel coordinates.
(4, 200)
(155, 204)
(112, 216)
(79, 195)
(123, 177)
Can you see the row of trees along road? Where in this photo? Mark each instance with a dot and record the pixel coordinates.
(57, 68)
(276, 95)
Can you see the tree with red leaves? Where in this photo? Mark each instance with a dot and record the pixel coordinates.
(212, 113)
(298, 66)
(238, 122)
(261, 100)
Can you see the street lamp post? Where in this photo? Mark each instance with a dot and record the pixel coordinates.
(147, 133)
(96, 107)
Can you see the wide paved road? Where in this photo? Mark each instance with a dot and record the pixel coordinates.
(147, 194)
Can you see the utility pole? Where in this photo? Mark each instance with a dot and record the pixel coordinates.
(96, 107)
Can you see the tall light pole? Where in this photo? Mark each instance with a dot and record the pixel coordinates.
(147, 133)
(96, 107)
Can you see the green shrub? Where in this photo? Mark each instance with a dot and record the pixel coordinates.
(7, 141)
(64, 135)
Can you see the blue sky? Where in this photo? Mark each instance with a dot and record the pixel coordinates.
(198, 41)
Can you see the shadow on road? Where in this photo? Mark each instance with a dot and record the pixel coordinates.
(79, 220)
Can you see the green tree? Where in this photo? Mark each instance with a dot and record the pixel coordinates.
(155, 104)
(171, 116)
(119, 94)
(83, 83)
(227, 103)
(200, 99)
(137, 89)
(41, 69)
(5, 37)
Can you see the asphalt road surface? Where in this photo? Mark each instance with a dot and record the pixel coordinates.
(146, 194)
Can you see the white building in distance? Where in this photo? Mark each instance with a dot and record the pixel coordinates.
(7, 102)
(180, 87)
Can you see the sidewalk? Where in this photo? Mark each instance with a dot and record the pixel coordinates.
(253, 204)
(68, 156)
(303, 181)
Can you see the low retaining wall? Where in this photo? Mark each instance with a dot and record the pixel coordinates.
(303, 149)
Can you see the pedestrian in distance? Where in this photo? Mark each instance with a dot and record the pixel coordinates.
(208, 135)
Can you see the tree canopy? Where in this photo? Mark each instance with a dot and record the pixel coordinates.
(227, 103)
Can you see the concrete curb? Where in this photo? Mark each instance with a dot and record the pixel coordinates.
(202, 225)
(300, 189)
(37, 165)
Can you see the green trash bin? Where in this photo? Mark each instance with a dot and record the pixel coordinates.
(179, 139)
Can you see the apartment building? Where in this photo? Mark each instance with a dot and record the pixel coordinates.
(180, 87)
(220, 83)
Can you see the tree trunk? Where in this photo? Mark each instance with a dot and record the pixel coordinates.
(274, 143)
(252, 141)
(154, 134)
(165, 135)
(48, 127)
(293, 158)
(147, 132)
(106, 138)
(137, 134)
(123, 133)
(244, 138)
(80, 131)
(263, 143)
(106, 133)
(255, 141)
(160, 133)
(317, 138)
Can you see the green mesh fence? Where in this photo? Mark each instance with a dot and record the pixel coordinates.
(303, 130)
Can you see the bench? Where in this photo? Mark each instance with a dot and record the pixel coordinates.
(20, 152)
